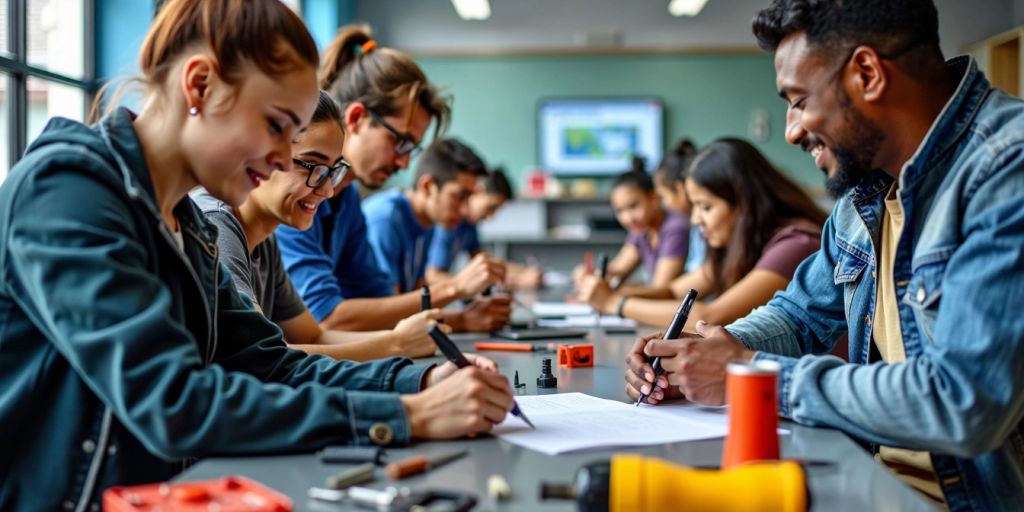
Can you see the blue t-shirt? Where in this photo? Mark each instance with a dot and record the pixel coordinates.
(332, 261)
(697, 249)
(448, 242)
(398, 240)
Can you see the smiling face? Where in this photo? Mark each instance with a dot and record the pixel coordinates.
(714, 216)
(286, 197)
(371, 146)
(844, 146)
(243, 132)
(635, 209)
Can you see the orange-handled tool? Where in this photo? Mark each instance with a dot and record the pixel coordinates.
(417, 464)
(515, 347)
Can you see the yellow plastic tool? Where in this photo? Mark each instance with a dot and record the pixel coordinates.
(640, 484)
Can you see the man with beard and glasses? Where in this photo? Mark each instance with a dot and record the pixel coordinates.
(921, 261)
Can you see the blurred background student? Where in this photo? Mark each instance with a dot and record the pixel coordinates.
(658, 239)
(492, 192)
(670, 184)
(759, 226)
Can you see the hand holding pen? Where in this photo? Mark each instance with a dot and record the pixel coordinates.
(453, 354)
(675, 328)
(457, 401)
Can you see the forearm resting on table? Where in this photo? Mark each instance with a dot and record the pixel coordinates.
(369, 314)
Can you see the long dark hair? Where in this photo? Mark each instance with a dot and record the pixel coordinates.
(673, 167)
(764, 199)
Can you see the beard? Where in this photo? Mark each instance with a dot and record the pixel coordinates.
(854, 157)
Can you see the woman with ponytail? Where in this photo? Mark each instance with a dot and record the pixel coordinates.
(125, 350)
(670, 184)
(387, 106)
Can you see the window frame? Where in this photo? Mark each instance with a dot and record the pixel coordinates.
(19, 71)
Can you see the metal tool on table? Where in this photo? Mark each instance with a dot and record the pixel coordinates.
(398, 499)
(351, 454)
(353, 476)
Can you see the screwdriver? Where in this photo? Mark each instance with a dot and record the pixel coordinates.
(417, 464)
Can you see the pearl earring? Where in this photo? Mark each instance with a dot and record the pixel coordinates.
(193, 111)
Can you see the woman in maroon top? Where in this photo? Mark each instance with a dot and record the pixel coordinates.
(758, 225)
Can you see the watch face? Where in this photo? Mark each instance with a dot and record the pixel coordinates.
(381, 433)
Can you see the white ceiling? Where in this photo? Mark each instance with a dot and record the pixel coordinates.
(545, 25)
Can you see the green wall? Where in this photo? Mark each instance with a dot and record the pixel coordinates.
(705, 97)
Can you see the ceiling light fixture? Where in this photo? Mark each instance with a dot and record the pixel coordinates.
(473, 9)
(685, 7)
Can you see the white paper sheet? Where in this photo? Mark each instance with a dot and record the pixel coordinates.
(587, 322)
(561, 309)
(574, 421)
(692, 412)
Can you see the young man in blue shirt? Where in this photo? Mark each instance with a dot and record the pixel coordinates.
(400, 223)
(492, 192)
(921, 261)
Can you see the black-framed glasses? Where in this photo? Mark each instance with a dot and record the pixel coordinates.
(404, 145)
(318, 173)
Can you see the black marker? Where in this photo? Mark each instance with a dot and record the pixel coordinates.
(673, 331)
(602, 265)
(602, 269)
(425, 299)
(454, 355)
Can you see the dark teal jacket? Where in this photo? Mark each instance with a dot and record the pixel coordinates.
(121, 358)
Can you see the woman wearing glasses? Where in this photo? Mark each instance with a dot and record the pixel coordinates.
(248, 247)
(387, 105)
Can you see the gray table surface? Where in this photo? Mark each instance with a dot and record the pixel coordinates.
(855, 483)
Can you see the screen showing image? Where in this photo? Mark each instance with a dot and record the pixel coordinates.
(588, 137)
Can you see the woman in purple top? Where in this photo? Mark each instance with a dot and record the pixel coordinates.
(758, 225)
(658, 239)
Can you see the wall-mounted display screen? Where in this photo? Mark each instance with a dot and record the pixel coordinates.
(599, 137)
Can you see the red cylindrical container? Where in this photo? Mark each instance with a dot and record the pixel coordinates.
(753, 412)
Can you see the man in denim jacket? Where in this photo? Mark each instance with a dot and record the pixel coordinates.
(928, 235)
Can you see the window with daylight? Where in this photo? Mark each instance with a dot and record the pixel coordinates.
(46, 68)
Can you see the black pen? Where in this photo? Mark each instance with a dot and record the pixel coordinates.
(425, 299)
(602, 270)
(673, 331)
(455, 355)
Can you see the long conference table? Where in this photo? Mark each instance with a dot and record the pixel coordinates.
(855, 482)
